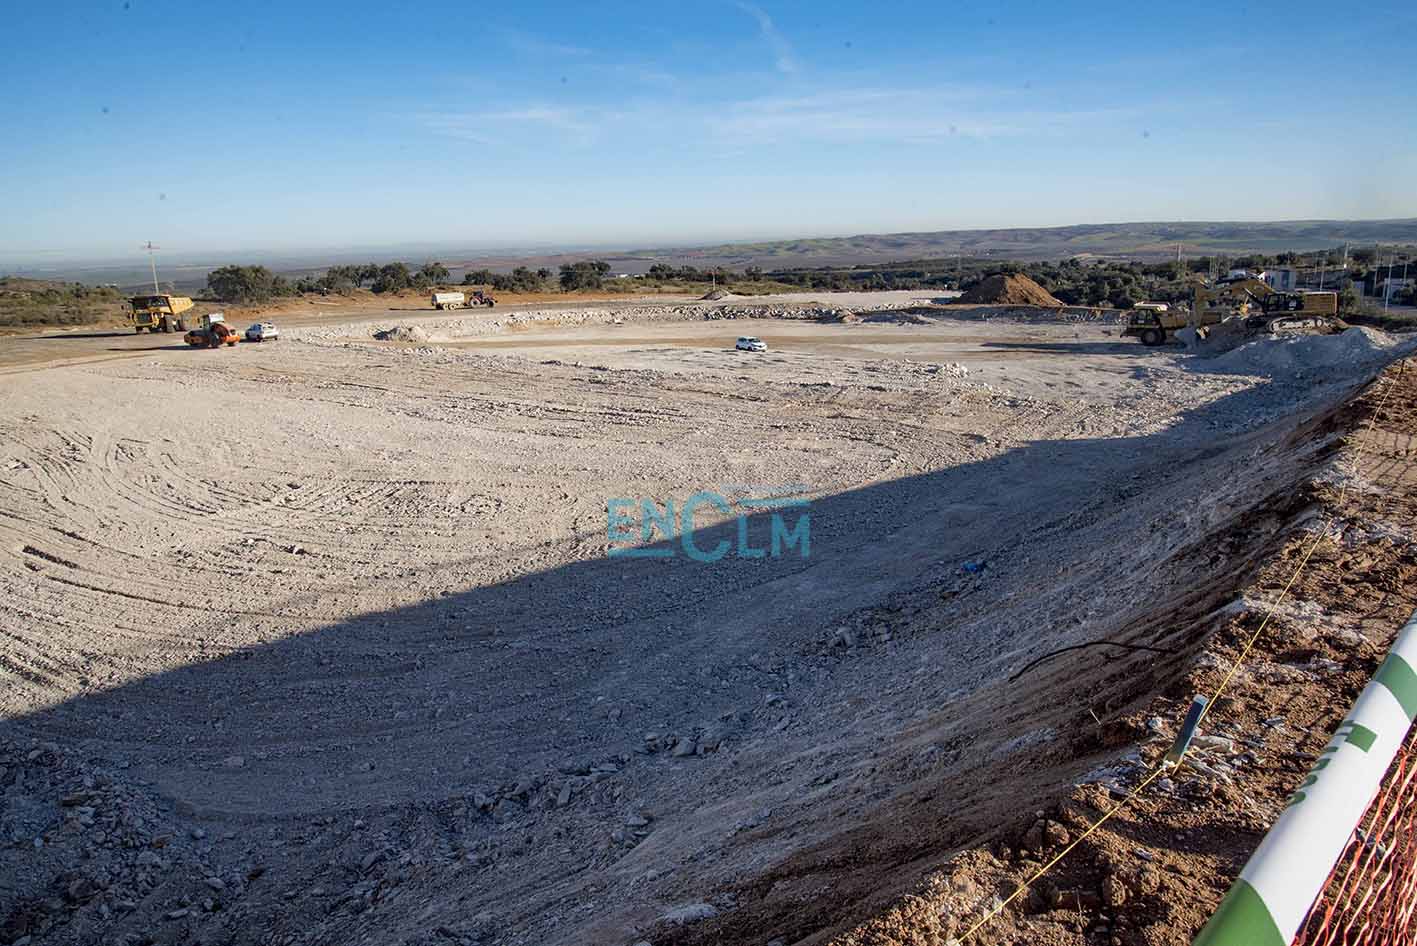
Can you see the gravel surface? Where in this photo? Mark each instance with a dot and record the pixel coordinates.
(320, 642)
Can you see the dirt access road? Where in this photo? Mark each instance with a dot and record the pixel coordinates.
(321, 641)
(87, 345)
(1025, 358)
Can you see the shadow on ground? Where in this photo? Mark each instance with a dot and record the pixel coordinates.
(480, 687)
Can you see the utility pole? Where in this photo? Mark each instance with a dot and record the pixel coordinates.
(1387, 286)
(152, 261)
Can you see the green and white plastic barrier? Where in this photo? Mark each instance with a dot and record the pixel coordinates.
(1273, 895)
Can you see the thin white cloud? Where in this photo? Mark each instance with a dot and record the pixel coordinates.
(578, 126)
(840, 116)
(884, 115)
(785, 59)
(539, 46)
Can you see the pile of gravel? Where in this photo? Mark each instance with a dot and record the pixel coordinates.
(1355, 349)
(402, 333)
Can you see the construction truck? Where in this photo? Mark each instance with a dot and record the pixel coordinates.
(457, 300)
(1154, 322)
(212, 333)
(1264, 310)
(158, 313)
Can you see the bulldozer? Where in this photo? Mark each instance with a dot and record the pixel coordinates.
(158, 313)
(1264, 310)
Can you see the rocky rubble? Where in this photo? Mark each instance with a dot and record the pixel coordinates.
(476, 326)
(99, 846)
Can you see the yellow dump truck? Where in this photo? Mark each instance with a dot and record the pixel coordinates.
(1155, 322)
(158, 313)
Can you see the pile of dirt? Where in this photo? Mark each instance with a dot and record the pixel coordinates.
(895, 317)
(716, 295)
(1304, 355)
(402, 333)
(1001, 289)
(1217, 339)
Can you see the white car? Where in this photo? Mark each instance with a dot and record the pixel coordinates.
(263, 332)
(748, 343)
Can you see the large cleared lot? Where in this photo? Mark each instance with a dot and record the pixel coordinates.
(325, 641)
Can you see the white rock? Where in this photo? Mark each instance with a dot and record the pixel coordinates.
(690, 913)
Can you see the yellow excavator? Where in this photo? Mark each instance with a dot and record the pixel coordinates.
(1266, 310)
(1247, 295)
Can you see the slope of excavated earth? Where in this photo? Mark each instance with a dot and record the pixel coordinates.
(320, 642)
(1153, 874)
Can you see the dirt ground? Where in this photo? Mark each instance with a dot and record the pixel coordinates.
(323, 641)
(24, 351)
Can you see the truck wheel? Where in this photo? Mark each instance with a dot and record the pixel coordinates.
(137, 330)
(1152, 337)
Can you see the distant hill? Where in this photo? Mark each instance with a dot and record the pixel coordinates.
(27, 303)
(1141, 241)
(1134, 241)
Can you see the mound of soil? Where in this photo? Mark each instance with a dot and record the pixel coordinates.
(1000, 289)
(402, 333)
(895, 317)
(1303, 355)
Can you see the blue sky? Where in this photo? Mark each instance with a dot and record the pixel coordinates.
(221, 126)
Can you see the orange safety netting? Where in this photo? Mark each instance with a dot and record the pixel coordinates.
(1371, 896)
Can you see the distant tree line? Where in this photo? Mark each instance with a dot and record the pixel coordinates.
(587, 274)
(1079, 282)
(660, 272)
(520, 279)
(247, 284)
(259, 284)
